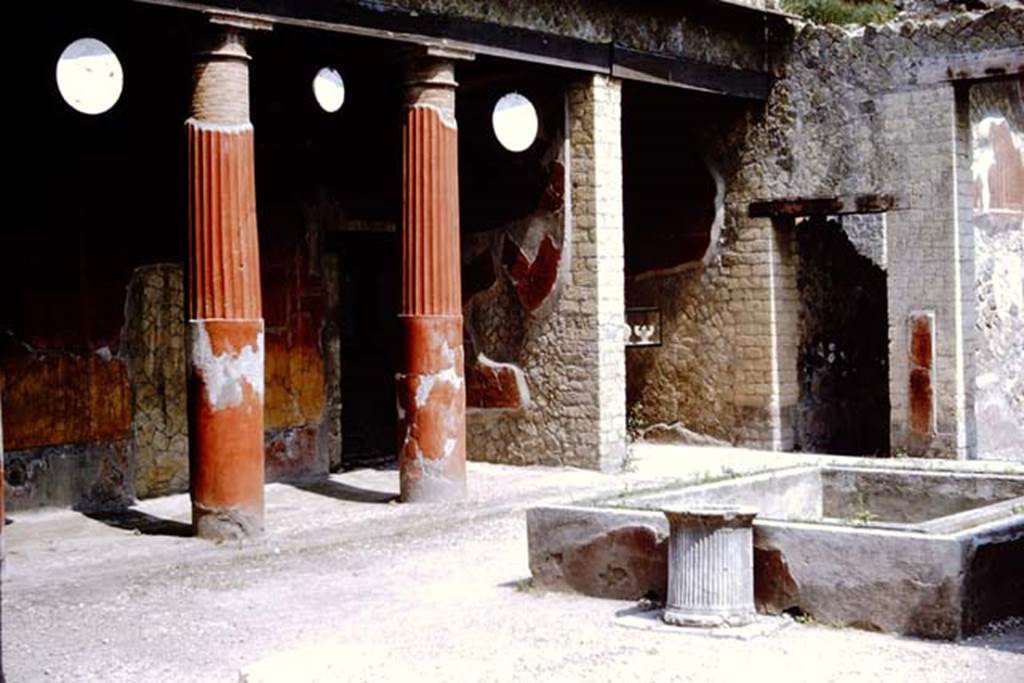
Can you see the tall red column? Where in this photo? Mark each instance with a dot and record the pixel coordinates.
(225, 327)
(430, 381)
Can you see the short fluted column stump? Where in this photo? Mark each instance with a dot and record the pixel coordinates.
(710, 566)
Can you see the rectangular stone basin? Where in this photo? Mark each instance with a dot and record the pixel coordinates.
(917, 552)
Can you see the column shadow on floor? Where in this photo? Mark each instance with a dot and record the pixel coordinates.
(1007, 638)
(345, 492)
(142, 523)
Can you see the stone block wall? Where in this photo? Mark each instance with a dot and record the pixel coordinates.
(572, 348)
(930, 250)
(765, 305)
(726, 370)
(847, 116)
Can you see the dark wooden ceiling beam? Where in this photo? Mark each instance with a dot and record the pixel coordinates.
(396, 24)
(822, 206)
(691, 74)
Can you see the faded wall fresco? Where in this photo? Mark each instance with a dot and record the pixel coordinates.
(513, 240)
(997, 119)
(293, 308)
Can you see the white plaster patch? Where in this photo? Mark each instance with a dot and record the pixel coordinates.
(224, 375)
(423, 390)
(447, 353)
(447, 118)
(450, 376)
(432, 468)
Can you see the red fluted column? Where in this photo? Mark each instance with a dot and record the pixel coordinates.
(225, 327)
(430, 381)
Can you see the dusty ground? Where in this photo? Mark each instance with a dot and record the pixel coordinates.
(347, 586)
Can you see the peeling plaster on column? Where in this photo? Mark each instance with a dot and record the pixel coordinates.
(451, 376)
(223, 374)
(434, 481)
(227, 128)
(431, 468)
(447, 117)
(448, 353)
(426, 385)
(233, 524)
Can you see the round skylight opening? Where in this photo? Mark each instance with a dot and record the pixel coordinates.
(329, 89)
(89, 76)
(515, 122)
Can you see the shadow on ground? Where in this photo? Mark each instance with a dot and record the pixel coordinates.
(142, 523)
(345, 492)
(1005, 637)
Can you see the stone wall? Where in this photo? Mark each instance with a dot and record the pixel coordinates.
(689, 380)
(155, 351)
(869, 124)
(572, 350)
(719, 35)
(930, 250)
(849, 115)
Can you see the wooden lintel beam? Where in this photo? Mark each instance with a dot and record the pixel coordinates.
(984, 65)
(822, 206)
(681, 72)
(484, 38)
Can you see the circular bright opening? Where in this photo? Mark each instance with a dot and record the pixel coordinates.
(515, 122)
(329, 89)
(89, 76)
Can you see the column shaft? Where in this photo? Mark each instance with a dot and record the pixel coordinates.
(710, 566)
(225, 326)
(430, 385)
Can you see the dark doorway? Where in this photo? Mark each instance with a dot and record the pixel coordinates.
(369, 289)
(843, 362)
(668, 191)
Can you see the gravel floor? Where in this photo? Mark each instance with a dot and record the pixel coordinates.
(348, 589)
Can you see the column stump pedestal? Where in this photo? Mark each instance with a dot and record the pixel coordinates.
(710, 566)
